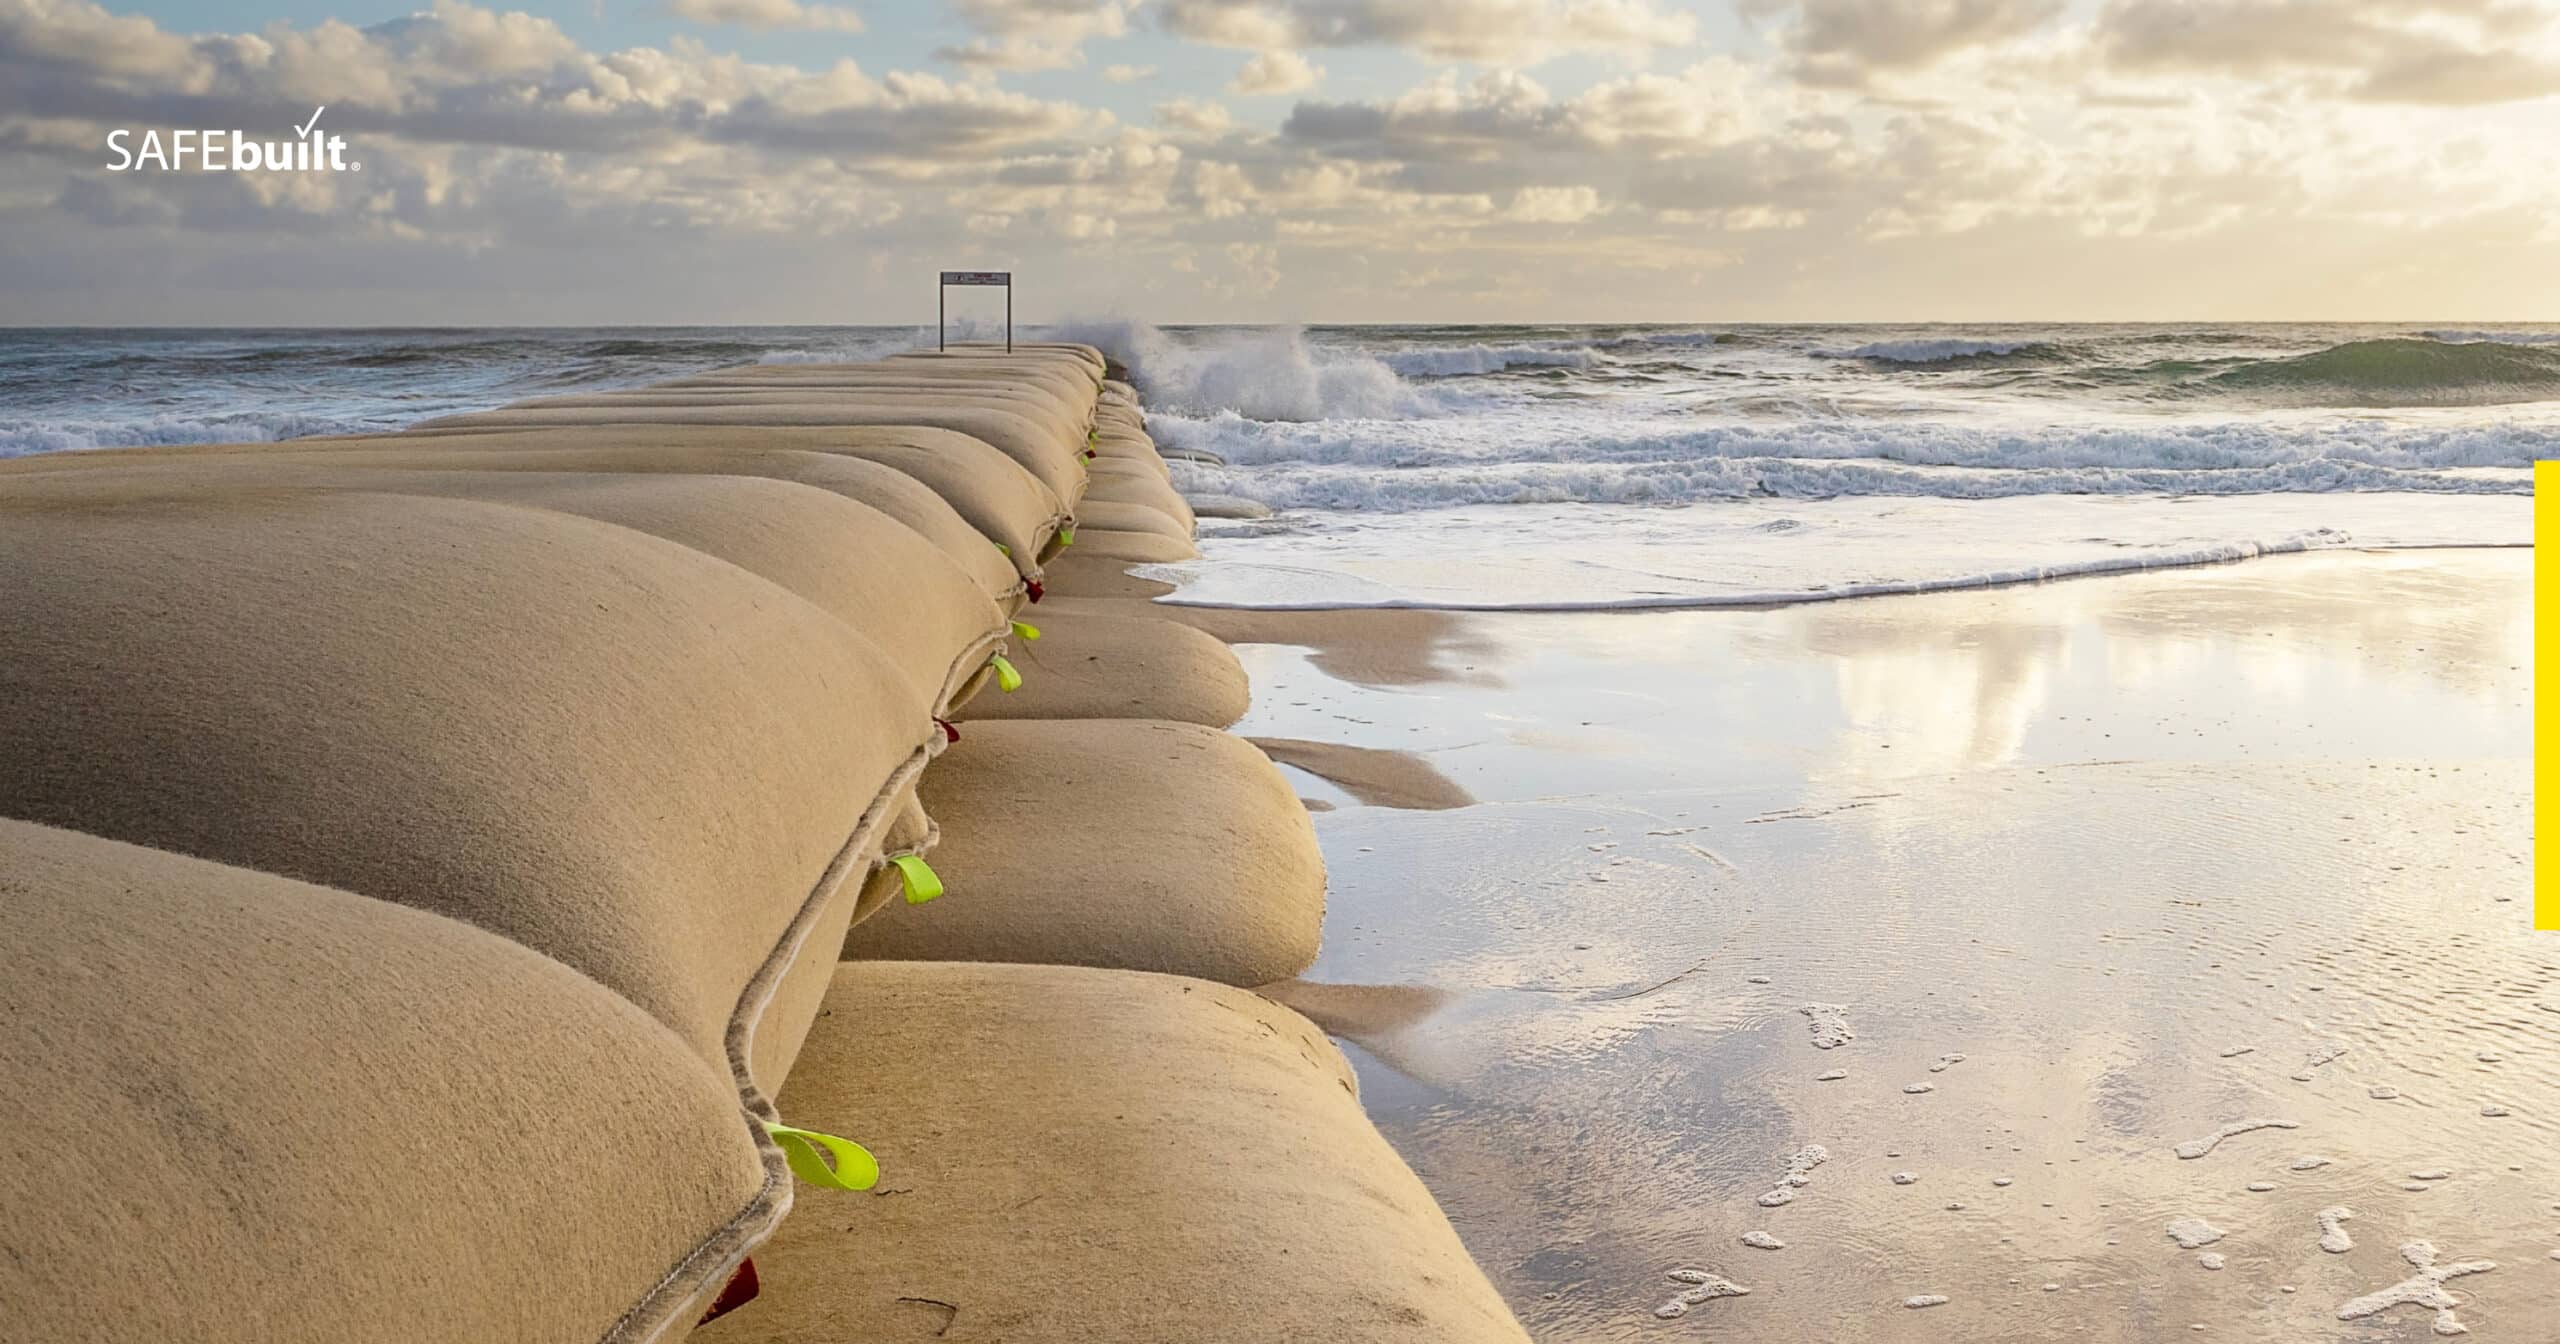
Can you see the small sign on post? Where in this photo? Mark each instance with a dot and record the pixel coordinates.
(941, 306)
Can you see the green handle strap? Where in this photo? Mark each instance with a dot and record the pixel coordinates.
(923, 884)
(1006, 677)
(854, 1169)
(1067, 535)
(1025, 631)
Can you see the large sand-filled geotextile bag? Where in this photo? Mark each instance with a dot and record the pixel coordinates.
(1127, 843)
(1065, 390)
(1058, 465)
(1109, 516)
(646, 762)
(1097, 664)
(1071, 421)
(1152, 491)
(244, 1109)
(1154, 548)
(869, 570)
(1087, 1156)
(991, 515)
(1023, 352)
(988, 490)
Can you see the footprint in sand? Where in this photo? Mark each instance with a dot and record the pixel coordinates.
(2191, 1233)
(1703, 1287)
(2195, 1148)
(2333, 1232)
(2422, 1289)
(1830, 1024)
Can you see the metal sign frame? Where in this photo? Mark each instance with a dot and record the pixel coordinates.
(942, 306)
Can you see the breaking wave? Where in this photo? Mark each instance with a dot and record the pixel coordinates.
(2403, 372)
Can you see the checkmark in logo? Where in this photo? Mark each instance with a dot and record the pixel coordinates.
(304, 129)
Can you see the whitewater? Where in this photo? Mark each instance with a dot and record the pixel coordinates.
(1576, 466)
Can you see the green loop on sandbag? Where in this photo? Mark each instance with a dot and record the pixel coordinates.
(1005, 550)
(1025, 631)
(854, 1169)
(1067, 535)
(923, 884)
(1006, 678)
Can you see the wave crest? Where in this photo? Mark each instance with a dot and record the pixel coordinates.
(2402, 372)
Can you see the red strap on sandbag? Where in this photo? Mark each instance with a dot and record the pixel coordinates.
(740, 1290)
(1032, 586)
(950, 730)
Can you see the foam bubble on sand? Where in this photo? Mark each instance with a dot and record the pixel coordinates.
(2318, 1055)
(1830, 1024)
(1763, 1241)
(2211, 1260)
(2333, 1231)
(2194, 1148)
(1801, 1162)
(2431, 1174)
(2000, 1180)
(1704, 1287)
(1945, 1062)
(2383, 1092)
(2191, 1233)
(1916, 1089)
(2259, 1187)
(1905, 1177)
(2422, 1289)
(2493, 1112)
(1830, 1075)
(1755, 979)
(2309, 1163)
(1918, 1300)
(2238, 1050)
(1781, 1195)
(2489, 1057)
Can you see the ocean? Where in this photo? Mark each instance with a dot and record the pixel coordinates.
(1616, 466)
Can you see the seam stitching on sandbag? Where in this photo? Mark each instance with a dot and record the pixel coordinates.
(654, 1313)
(964, 667)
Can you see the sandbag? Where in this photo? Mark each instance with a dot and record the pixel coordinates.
(980, 506)
(1065, 387)
(1103, 515)
(244, 1109)
(1058, 466)
(1071, 421)
(1093, 664)
(1023, 352)
(865, 568)
(1135, 547)
(645, 762)
(1126, 843)
(1091, 1155)
(1151, 491)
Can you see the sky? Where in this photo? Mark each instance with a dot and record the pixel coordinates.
(816, 161)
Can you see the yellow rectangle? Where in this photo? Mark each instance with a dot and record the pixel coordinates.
(2546, 649)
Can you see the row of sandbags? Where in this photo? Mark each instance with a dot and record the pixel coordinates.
(646, 709)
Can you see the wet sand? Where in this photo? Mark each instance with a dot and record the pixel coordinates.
(2144, 924)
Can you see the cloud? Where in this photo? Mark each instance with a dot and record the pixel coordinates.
(1275, 72)
(2440, 52)
(1190, 116)
(1127, 74)
(1508, 32)
(1034, 34)
(768, 14)
(1843, 42)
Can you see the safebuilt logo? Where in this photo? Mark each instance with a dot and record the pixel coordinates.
(312, 150)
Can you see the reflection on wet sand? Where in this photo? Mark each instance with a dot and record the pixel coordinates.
(2155, 858)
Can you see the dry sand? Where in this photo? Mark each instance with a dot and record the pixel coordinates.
(2137, 850)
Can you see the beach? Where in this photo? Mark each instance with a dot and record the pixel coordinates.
(2079, 871)
(1792, 834)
